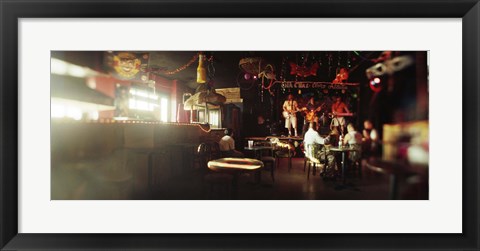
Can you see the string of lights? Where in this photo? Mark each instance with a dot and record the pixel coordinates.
(179, 69)
(114, 121)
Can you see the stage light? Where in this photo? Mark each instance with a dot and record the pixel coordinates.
(375, 84)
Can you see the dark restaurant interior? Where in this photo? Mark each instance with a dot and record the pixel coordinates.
(239, 125)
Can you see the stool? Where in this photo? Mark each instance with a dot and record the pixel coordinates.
(270, 161)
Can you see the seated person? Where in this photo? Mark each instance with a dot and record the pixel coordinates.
(354, 139)
(313, 142)
(370, 138)
(314, 147)
(227, 145)
(333, 137)
(261, 128)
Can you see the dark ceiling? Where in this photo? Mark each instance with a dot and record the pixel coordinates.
(226, 64)
(229, 74)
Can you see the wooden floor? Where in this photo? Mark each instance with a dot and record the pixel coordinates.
(68, 184)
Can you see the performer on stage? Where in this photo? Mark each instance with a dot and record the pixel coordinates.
(311, 114)
(339, 107)
(290, 107)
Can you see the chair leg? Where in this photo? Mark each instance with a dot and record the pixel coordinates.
(272, 171)
(304, 164)
(308, 171)
(289, 163)
(360, 168)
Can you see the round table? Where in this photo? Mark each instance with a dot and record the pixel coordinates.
(396, 170)
(258, 150)
(344, 151)
(235, 166)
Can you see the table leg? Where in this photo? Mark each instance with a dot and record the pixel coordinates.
(150, 170)
(393, 187)
(235, 186)
(343, 168)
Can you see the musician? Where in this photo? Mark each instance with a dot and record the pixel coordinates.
(311, 114)
(339, 107)
(290, 107)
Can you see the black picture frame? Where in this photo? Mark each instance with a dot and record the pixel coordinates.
(11, 11)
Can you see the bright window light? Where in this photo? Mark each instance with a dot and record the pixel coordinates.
(164, 109)
(74, 113)
(58, 111)
(131, 103)
(94, 115)
(173, 117)
(61, 67)
(77, 71)
(58, 67)
(142, 105)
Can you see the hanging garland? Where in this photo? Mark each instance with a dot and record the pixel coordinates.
(179, 69)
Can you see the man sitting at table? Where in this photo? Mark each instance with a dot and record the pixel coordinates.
(314, 147)
(227, 145)
(313, 141)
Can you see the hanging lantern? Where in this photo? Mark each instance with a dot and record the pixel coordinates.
(201, 70)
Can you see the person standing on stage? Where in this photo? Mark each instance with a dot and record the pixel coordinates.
(339, 107)
(311, 114)
(290, 107)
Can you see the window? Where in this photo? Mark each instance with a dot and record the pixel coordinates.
(164, 109)
(143, 99)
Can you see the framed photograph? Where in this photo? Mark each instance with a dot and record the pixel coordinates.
(322, 125)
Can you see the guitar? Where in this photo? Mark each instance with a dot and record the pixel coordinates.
(310, 115)
(288, 114)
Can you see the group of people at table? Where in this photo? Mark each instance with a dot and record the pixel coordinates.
(313, 142)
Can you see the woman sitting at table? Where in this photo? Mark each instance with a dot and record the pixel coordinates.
(227, 145)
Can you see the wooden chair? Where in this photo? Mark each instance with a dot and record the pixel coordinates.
(355, 158)
(313, 159)
(284, 150)
(269, 160)
(215, 185)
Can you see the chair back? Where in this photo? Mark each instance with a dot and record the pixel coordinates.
(356, 155)
(215, 152)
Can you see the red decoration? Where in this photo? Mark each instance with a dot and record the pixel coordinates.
(341, 77)
(375, 85)
(303, 71)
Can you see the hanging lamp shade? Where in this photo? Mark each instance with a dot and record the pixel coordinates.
(252, 66)
(201, 70)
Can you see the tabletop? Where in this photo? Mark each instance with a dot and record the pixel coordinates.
(235, 164)
(256, 148)
(395, 167)
(342, 149)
